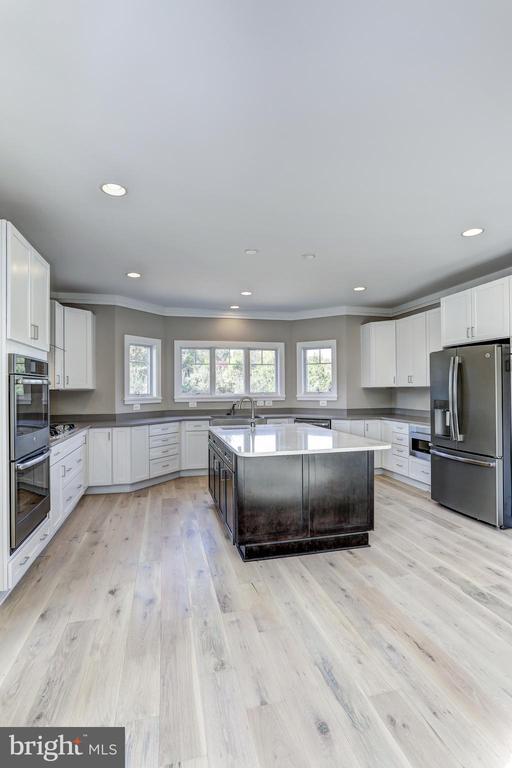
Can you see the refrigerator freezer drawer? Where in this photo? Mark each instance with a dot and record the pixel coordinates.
(472, 485)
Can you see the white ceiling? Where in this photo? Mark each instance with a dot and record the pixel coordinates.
(369, 133)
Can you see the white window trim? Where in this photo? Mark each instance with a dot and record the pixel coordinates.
(180, 396)
(156, 352)
(301, 394)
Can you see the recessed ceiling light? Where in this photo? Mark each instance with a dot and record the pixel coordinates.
(472, 232)
(234, 306)
(135, 275)
(309, 256)
(245, 293)
(360, 288)
(251, 251)
(116, 190)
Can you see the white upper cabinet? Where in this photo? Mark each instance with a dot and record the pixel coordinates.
(28, 293)
(378, 354)
(433, 336)
(411, 351)
(490, 307)
(56, 324)
(477, 314)
(79, 349)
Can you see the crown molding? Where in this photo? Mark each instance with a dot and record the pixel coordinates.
(157, 309)
(307, 314)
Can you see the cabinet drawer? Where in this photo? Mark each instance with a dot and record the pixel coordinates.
(420, 470)
(164, 466)
(160, 440)
(401, 451)
(21, 561)
(164, 429)
(164, 450)
(193, 426)
(75, 461)
(71, 487)
(400, 439)
(400, 426)
(59, 451)
(399, 465)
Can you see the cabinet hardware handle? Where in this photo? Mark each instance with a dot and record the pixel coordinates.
(164, 466)
(108, 434)
(43, 537)
(69, 499)
(79, 461)
(58, 378)
(67, 379)
(467, 332)
(27, 558)
(63, 471)
(472, 331)
(36, 332)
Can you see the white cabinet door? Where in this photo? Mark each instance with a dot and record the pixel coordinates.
(372, 430)
(378, 354)
(357, 427)
(121, 455)
(57, 506)
(18, 287)
(140, 454)
(56, 324)
(341, 425)
(56, 368)
(433, 336)
(39, 301)
(456, 318)
(491, 310)
(411, 351)
(100, 456)
(195, 453)
(404, 341)
(79, 349)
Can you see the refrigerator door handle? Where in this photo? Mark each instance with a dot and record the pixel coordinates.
(450, 399)
(477, 462)
(455, 398)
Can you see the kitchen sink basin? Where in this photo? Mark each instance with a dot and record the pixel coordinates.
(236, 421)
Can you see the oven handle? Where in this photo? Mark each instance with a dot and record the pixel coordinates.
(33, 462)
(23, 380)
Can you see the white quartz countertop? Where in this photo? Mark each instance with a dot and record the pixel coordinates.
(290, 439)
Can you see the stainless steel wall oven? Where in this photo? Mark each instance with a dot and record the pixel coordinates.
(29, 445)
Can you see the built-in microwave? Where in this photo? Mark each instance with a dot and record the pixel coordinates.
(419, 441)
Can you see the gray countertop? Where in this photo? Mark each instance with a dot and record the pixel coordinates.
(158, 417)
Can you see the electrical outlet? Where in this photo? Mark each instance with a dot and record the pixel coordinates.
(268, 403)
(192, 404)
(323, 403)
(136, 406)
(260, 403)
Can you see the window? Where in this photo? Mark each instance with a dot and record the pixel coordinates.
(316, 370)
(142, 379)
(228, 370)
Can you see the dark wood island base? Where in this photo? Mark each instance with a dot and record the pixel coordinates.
(284, 505)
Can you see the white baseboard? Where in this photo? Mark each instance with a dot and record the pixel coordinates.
(130, 487)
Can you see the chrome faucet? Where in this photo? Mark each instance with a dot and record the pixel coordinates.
(253, 414)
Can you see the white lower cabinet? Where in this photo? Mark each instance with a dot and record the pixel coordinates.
(194, 442)
(122, 455)
(140, 454)
(68, 478)
(419, 469)
(100, 456)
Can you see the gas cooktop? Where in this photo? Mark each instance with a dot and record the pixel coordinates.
(56, 430)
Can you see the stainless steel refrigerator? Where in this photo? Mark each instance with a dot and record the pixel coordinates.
(470, 431)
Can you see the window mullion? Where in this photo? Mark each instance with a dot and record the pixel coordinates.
(247, 373)
(213, 383)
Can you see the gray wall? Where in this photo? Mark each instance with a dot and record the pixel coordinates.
(112, 323)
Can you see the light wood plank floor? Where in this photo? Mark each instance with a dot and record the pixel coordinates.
(141, 614)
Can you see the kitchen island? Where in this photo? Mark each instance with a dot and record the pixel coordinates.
(292, 489)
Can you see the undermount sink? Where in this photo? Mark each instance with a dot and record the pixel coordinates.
(236, 421)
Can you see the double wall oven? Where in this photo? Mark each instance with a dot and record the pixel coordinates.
(29, 446)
